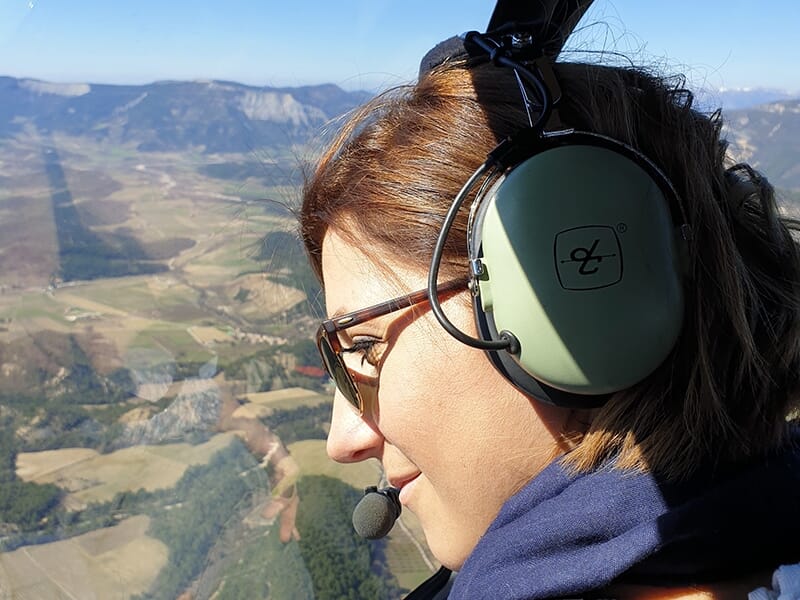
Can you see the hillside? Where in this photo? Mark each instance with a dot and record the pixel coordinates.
(768, 137)
(214, 116)
(155, 300)
(228, 117)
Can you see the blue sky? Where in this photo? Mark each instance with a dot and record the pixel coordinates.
(370, 44)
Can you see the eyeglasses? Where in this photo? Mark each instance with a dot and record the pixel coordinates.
(330, 346)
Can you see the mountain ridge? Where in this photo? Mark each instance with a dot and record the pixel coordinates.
(768, 137)
(221, 116)
(747, 97)
(217, 116)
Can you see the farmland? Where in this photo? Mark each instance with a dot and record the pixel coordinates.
(91, 477)
(114, 562)
(158, 394)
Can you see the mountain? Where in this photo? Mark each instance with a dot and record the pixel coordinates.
(768, 137)
(223, 116)
(740, 98)
(215, 116)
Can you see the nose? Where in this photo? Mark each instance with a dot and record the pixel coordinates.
(352, 438)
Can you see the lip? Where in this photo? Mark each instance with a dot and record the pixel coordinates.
(404, 484)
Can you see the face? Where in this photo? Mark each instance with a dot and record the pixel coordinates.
(451, 432)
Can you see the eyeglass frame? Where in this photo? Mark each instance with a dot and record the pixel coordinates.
(329, 328)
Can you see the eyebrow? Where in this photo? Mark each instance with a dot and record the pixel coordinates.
(338, 313)
(342, 310)
(398, 303)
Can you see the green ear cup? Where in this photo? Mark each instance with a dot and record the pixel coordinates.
(580, 264)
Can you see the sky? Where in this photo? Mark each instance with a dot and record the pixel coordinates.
(372, 44)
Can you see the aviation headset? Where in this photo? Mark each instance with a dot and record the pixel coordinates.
(574, 248)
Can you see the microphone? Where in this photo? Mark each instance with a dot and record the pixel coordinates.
(376, 512)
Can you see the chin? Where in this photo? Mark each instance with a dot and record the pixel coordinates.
(448, 544)
(449, 557)
(450, 532)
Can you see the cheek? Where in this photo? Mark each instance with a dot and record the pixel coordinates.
(421, 380)
(404, 379)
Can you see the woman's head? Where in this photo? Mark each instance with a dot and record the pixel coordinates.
(371, 215)
(450, 432)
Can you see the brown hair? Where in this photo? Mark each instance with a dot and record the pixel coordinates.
(724, 393)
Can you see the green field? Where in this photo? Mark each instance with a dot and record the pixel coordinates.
(224, 300)
(403, 553)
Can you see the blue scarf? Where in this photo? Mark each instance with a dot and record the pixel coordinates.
(563, 534)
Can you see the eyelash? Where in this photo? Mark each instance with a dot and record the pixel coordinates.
(365, 346)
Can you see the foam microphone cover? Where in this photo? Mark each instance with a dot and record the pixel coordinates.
(375, 514)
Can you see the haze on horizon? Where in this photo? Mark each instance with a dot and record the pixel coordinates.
(358, 44)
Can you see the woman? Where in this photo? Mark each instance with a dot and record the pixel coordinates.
(686, 479)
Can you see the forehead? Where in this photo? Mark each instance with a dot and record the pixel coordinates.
(356, 276)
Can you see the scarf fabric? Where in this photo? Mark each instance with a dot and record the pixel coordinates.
(564, 535)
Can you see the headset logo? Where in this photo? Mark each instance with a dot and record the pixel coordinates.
(588, 257)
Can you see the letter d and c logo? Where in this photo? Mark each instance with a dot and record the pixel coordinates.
(589, 257)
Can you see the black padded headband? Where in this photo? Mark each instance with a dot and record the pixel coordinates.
(551, 21)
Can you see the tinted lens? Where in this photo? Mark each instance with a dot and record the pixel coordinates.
(338, 372)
